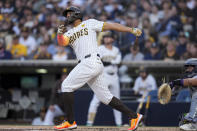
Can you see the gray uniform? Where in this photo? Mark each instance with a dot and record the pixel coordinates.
(192, 115)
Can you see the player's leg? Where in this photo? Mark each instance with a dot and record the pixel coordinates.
(192, 115)
(92, 110)
(115, 90)
(82, 73)
(103, 94)
(48, 120)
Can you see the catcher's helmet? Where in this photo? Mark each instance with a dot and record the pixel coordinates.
(190, 62)
(74, 16)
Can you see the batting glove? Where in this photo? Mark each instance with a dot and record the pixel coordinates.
(177, 82)
(61, 29)
(136, 31)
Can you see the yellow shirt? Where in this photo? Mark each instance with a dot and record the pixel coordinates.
(19, 49)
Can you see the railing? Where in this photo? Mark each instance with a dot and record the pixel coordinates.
(74, 62)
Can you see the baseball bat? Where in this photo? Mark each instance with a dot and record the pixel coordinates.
(141, 103)
(146, 109)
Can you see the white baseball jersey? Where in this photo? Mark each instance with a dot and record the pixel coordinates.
(144, 86)
(83, 37)
(113, 56)
(90, 70)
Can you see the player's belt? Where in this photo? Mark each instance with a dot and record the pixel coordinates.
(87, 56)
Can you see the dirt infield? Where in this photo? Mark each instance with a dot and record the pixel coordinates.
(83, 128)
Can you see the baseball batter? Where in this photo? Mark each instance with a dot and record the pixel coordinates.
(190, 81)
(110, 56)
(82, 38)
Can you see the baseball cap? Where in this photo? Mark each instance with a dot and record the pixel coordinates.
(142, 69)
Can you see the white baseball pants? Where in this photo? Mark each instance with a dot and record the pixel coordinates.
(90, 71)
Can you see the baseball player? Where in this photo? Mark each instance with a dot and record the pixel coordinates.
(190, 80)
(111, 57)
(82, 38)
(144, 83)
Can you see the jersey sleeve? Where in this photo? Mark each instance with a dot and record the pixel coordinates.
(96, 25)
(64, 39)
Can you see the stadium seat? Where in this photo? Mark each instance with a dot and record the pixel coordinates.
(153, 96)
(183, 96)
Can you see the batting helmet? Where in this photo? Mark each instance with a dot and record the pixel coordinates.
(190, 62)
(74, 16)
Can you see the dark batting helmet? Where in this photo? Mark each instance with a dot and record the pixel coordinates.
(74, 16)
(190, 62)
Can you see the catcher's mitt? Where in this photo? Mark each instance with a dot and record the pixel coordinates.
(164, 93)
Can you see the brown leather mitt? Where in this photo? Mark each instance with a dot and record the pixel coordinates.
(164, 93)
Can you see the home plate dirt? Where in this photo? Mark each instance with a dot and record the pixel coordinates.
(83, 128)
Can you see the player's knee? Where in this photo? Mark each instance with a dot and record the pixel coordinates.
(105, 99)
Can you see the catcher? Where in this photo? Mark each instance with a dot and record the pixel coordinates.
(189, 122)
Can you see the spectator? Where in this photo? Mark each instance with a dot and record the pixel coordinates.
(163, 41)
(191, 51)
(154, 15)
(4, 54)
(60, 55)
(182, 42)
(144, 83)
(154, 53)
(134, 55)
(183, 10)
(132, 11)
(147, 45)
(159, 19)
(29, 41)
(170, 53)
(18, 50)
(7, 7)
(42, 52)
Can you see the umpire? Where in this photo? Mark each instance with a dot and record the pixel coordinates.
(189, 80)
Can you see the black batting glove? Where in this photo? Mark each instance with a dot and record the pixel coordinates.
(177, 82)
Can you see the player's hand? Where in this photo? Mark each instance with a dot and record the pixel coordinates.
(52, 108)
(175, 83)
(136, 31)
(61, 29)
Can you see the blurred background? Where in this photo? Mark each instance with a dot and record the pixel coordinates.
(31, 62)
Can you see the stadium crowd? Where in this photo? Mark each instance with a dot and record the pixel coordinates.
(28, 27)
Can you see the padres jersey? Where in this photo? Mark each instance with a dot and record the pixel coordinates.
(82, 38)
(113, 56)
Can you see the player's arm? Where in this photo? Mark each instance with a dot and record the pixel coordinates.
(62, 39)
(190, 82)
(121, 28)
(184, 82)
